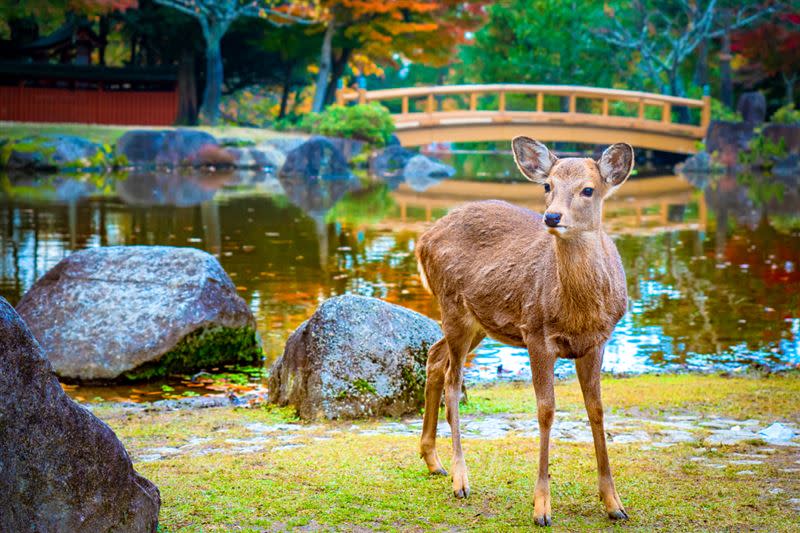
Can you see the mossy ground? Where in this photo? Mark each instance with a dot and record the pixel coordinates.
(346, 480)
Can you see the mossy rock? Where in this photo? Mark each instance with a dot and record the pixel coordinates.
(54, 152)
(355, 357)
(139, 312)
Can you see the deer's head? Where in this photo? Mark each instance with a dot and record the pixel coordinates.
(574, 187)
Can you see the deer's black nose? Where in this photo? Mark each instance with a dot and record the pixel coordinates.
(552, 219)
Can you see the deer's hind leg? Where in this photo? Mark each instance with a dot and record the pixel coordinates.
(438, 362)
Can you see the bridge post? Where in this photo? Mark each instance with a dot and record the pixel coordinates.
(404, 105)
(666, 113)
(539, 102)
(705, 116)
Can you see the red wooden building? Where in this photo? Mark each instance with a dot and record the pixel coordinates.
(33, 89)
(38, 92)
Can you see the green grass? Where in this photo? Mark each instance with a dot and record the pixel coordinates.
(109, 134)
(378, 482)
(772, 396)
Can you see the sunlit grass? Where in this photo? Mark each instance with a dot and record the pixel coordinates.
(348, 481)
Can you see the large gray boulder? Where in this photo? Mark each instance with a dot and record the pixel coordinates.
(185, 147)
(61, 469)
(137, 312)
(319, 158)
(422, 172)
(355, 357)
(422, 166)
(140, 147)
(259, 157)
(171, 148)
(725, 140)
(390, 162)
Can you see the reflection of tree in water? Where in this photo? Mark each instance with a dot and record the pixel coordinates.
(359, 207)
(709, 295)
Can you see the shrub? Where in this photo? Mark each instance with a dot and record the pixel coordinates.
(786, 114)
(762, 152)
(368, 122)
(720, 111)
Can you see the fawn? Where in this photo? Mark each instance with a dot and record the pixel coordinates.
(553, 284)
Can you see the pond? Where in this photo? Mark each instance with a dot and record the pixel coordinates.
(713, 265)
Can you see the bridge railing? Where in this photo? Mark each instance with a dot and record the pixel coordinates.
(602, 115)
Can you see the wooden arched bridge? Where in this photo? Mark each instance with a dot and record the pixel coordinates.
(498, 112)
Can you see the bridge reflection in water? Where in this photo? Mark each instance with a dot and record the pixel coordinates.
(473, 113)
(641, 206)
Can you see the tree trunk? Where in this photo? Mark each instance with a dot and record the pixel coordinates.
(701, 67)
(324, 67)
(286, 87)
(336, 73)
(726, 90)
(213, 91)
(788, 82)
(187, 90)
(132, 60)
(101, 49)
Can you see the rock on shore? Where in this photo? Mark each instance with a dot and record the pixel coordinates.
(52, 152)
(355, 357)
(61, 469)
(139, 312)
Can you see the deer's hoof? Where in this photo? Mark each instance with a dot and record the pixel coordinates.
(438, 472)
(543, 521)
(461, 493)
(619, 514)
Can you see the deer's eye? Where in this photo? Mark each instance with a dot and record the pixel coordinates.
(546, 187)
(587, 192)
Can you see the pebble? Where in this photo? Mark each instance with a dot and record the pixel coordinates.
(777, 433)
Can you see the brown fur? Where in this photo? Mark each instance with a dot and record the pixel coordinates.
(498, 270)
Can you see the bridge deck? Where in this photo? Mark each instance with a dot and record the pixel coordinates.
(441, 120)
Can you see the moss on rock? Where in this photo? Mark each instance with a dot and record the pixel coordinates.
(204, 348)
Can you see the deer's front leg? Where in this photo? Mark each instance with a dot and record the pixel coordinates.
(542, 365)
(588, 369)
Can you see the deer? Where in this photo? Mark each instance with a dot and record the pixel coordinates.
(553, 284)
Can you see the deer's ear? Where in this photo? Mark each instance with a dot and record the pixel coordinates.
(533, 158)
(616, 164)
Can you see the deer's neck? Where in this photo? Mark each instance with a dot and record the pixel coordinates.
(584, 281)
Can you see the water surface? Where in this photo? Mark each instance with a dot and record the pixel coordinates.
(712, 264)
